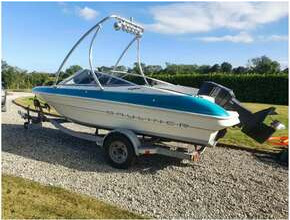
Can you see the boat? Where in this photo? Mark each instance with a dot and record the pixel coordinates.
(147, 106)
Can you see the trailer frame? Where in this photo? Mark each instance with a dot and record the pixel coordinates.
(141, 145)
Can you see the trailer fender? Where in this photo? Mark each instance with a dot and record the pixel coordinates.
(130, 135)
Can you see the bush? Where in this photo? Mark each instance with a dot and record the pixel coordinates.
(272, 89)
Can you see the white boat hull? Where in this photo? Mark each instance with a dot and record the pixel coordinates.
(175, 125)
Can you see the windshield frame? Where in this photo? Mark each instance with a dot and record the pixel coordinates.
(109, 76)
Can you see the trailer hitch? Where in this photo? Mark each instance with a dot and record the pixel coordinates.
(34, 119)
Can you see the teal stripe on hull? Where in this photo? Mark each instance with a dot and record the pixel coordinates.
(184, 103)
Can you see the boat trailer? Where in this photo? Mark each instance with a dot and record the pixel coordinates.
(121, 145)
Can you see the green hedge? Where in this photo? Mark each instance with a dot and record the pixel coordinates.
(271, 89)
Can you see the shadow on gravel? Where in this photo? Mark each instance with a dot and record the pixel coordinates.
(273, 159)
(54, 147)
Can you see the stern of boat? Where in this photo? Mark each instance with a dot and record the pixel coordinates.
(252, 124)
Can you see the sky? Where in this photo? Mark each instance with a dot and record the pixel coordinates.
(36, 36)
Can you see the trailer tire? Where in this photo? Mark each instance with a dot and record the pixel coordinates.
(4, 108)
(26, 125)
(119, 151)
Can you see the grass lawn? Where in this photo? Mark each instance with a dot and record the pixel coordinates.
(28, 101)
(19, 90)
(234, 136)
(22, 199)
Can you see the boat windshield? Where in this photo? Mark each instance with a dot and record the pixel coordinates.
(84, 77)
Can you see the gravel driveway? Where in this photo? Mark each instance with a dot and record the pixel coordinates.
(226, 183)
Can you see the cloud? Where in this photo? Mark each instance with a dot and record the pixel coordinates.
(242, 37)
(273, 38)
(87, 13)
(64, 7)
(284, 63)
(62, 3)
(195, 17)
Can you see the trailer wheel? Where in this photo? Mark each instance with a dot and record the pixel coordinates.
(4, 108)
(119, 151)
(26, 125)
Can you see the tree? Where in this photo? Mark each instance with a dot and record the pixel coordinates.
(4, 65)
(264, 65)
(105, 69)
(204, 69)
(136, 67)
(180, 68)
(226, 67)
(171, 68)
(12, 77)
(8, 76)
(152, 69)
(188, 69)
(121, 68)
(71, 70)
(38, 79)
(215, 68)
(240, 70)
